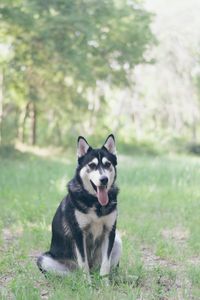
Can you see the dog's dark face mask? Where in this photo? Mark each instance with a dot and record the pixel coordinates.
(97, 167)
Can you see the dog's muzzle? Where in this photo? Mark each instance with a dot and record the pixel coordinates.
(101, 190)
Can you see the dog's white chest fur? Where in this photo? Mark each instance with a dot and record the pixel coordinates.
(93, 223)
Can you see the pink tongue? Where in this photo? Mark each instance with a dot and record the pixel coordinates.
(102, 195)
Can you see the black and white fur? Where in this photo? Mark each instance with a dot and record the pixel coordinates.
(83, 229)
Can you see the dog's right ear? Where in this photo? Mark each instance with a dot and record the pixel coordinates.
(82, 146)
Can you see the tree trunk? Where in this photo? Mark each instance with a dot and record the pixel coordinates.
(194, 133)
(22, 123)
(32, 115)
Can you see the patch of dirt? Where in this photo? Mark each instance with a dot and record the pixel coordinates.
(195, 260)
(9, 235)
(180, 282)
(44, 292)
(40, 285)
(34, 254)
(178, 234)
(152, 260)
(4, 281)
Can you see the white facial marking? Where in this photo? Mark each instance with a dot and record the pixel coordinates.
(86, 181)
(95, 177)
(111, 176)
(96, 174)
(104, 160)
(94, 161)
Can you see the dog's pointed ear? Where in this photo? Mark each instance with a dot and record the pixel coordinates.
(82, 146)
(110, 144)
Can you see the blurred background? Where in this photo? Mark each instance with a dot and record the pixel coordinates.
(93, 67)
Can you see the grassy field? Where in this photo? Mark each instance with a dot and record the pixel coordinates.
(159, 221)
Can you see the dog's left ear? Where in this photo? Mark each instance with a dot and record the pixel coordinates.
(110, 144)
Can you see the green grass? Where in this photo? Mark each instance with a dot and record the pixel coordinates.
(159, 221)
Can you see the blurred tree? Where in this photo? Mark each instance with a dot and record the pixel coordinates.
(60, 50)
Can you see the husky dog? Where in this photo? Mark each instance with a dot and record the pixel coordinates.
(84, 226)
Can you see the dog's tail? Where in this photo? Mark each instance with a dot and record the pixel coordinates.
(46, 263)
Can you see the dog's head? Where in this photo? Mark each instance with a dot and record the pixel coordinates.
(97, 167)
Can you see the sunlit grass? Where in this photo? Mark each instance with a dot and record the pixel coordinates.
(158, 220)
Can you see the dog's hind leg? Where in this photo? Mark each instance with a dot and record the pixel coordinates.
(46, 263)
(116, 251)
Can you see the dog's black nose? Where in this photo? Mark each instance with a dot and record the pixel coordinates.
(104, 180)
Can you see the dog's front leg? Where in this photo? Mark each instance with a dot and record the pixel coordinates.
(107, 246)
(81, 254)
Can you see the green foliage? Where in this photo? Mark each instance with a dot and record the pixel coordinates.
(60, 50)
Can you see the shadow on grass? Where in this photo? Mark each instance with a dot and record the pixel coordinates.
(143, 148)
(47, 158)
(9, 152)
(193, 148)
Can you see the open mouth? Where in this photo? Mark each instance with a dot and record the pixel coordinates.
(101, 192)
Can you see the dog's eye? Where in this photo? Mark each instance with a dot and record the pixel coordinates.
(92, 166)
(107, 164)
